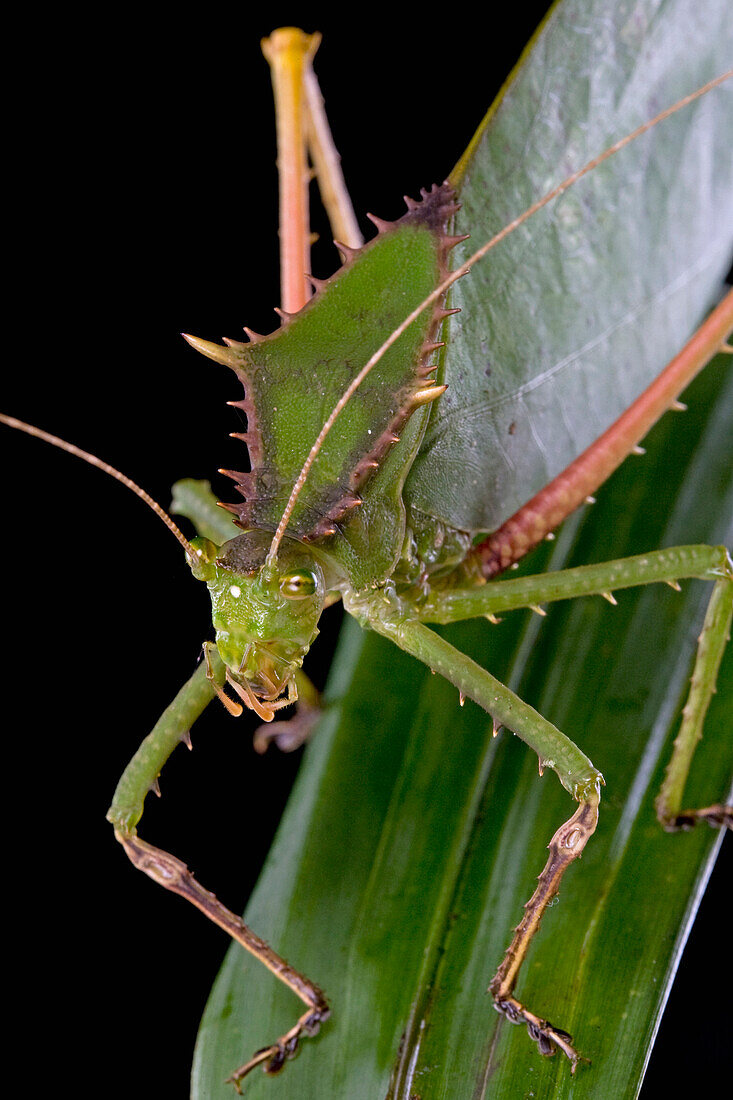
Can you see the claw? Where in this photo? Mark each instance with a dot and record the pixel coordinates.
(548, 1038)
(273, 1058)
(276, 1062)
(718, 817)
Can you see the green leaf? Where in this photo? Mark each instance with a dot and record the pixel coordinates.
(572, 316)
(413, 837)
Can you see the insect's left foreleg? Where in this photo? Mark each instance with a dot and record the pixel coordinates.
(556, 751)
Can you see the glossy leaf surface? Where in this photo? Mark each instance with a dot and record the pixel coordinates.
(162, 160)
(571, 317)
(413, 838)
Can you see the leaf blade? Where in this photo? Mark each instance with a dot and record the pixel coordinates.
(359, 891)
(580, 308)
(350, 890)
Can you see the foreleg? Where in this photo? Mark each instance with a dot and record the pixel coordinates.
(556, 751)
(140, 777)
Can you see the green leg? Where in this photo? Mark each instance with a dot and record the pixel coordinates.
(140, 777)
(141, 774)
(195, 500)
(715, 633)
(710, 563)
(575, 771)
(555, 750)
(474, 598)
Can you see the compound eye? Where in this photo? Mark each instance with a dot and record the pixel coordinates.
(298, 584)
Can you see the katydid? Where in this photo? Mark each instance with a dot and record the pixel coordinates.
(415, 638)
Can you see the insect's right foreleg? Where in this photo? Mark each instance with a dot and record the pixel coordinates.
(171, 873)
(140, 777)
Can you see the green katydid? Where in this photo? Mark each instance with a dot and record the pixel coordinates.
(360, 609)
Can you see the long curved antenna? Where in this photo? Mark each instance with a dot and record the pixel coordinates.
(459, 273)
(62, 444)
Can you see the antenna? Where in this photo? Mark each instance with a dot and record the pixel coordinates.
(62, 444)
(453, 277)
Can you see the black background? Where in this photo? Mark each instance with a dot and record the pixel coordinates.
(144, 203)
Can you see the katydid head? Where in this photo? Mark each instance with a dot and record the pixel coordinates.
(265, 614)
